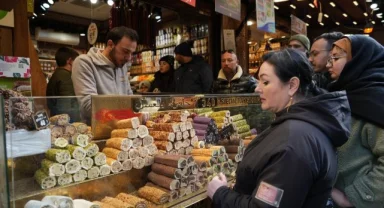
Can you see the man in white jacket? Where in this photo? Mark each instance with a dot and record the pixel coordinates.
(104, 72)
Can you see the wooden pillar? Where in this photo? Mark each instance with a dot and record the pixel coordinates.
(21, 31)
(6, 38)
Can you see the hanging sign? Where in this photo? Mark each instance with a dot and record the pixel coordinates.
(265, 15)
(230, 8)
(190, 2)
(92, 33)
(298, 25)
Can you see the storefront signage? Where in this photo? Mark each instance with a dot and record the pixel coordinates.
(298, 25)
(92, 33)
(41, 120)
(229, 40)
(265, 15)
(15, 67)
(190, 2)
(230, 8)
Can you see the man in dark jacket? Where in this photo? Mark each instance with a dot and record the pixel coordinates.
(61, 84)
(232, 78)
(194, 75)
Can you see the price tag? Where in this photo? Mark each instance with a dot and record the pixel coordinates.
(41, 120)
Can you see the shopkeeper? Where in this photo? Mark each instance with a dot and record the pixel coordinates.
(104, 73)
(293, 163)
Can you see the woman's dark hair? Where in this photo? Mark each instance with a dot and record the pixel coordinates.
(290, 63)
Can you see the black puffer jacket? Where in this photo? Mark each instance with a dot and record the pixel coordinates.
(296, 155)
(194, 77)
(240, 83)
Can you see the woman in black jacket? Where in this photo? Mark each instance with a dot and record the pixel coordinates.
(293, 162)
(164, 78)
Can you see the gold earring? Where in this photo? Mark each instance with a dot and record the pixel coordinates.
(290, 103)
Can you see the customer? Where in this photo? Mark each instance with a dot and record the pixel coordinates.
(194, 75)
(104, 73)
(164, 78)
(357, 66)
(232, 78)
(292, 163)
(299, 42)
(320, 52)
(60, 84)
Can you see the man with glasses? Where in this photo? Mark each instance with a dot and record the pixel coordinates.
(232, 78)
(299, 42)
(319, 54)
(104, 72)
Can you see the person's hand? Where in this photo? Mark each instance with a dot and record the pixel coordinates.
(216, 183)
(340, 199)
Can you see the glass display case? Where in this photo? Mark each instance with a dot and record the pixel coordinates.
(124, 148)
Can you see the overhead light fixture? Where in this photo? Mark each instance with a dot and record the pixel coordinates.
(376, 9)
(382, 21)
(82, 34)
(309, 16)
(307, 24)
(51, 1)
(354, 22)
(283, 36)
(249, 42)
(366, 14)
(93, 1)
(43, 14)
(374, 6)
(368, 28)
(356, 3)
(46, 5)
(277, 1)
(249, 23)
(43, 8)
(159, 20)
(157, 17)
(149, 15)
(292, 6)
(380, 15)
(33, 17)
(326, 15)
(322, 24)
(110, 2)
(337, 23)
(276, 7)
(311, 5)
(34, 14)
(368, 1)
(332, 4)
(345, 15)
(373, 22)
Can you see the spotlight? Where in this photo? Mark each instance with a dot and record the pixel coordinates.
(110, 2)
(149, 16)
(249, 23)
(46, 5)
(43, 8)
(292, 6)
(337, 23)
(93, 1)
(82, 34)
(374, 6)
(51, 1)
(159, 20)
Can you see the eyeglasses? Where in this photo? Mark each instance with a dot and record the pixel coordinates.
(332, 59)
(313, 54)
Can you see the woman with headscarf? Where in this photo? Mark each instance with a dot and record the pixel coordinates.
(164, 78)
(357, 66)
(291, 164)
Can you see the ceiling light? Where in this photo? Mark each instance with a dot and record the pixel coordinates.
(354, 22)
(159, 20)
(249, 23)
(382, 21)
(110, 2)
(34, 14)
(345, 15)
(332, 4)
(307, 24)
(379, 16)
(157, 17)
(322, 24)
(249, 42)
(309, 16)
(376, 9)
(283, 36)
(292, 6)
(51, 1)
(33, 17)
(374, 6)
(276, 7)
(355, 3)
(369, 1)
(326, 15)
(43, 8)
(337, 23)
(311, 5)
(276, 1)
(149, 15)
(82, 34)
(43, 14)
(46, 5)
(365, 14)
(373, 22)
(93, 1)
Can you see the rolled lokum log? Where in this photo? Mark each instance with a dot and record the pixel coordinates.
(60, 120)
(168, 171)
(57, 131)
(188, 150)
(72, 166)
(58, 155)
(199, 145)
(59, 201)
(142, 131)
(224, 113)
(183, 126)
(220, 149)
(185, 135)
(116, 202)
(148, 140)
(44, 180)
(137, 142)
(114, 153)
(239, 123)
(60, 142)
(164, 145)
(232, 148)
(115, 165)
(105, 170)
(153, 194)
(163, 181)
(119, 143)
(94, 172)
(127, 164)
(162, 135)
(205, 159)
(201, 132)
(245, 134)
(81, 128)
(152, 149)
(133, 153)
(77, 153)
(38, 204)
(87, 163)
(128, 123)
(173, 195)
(100, 159)
(179, 136)
(143, 152)
(200, 126)
(64, 179)
(192, 132)
(92, 149)
(168, 127)
(81, 203)
(51, 168)
(205, 152)
(244, 128)
(125, 133)
(79, 176)
(220, 119)
(81, 140)
(177, 145)
(103, 205)
(176, 161)
(202, 120)
(138, 163)
(133, 200)
(149, 160)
